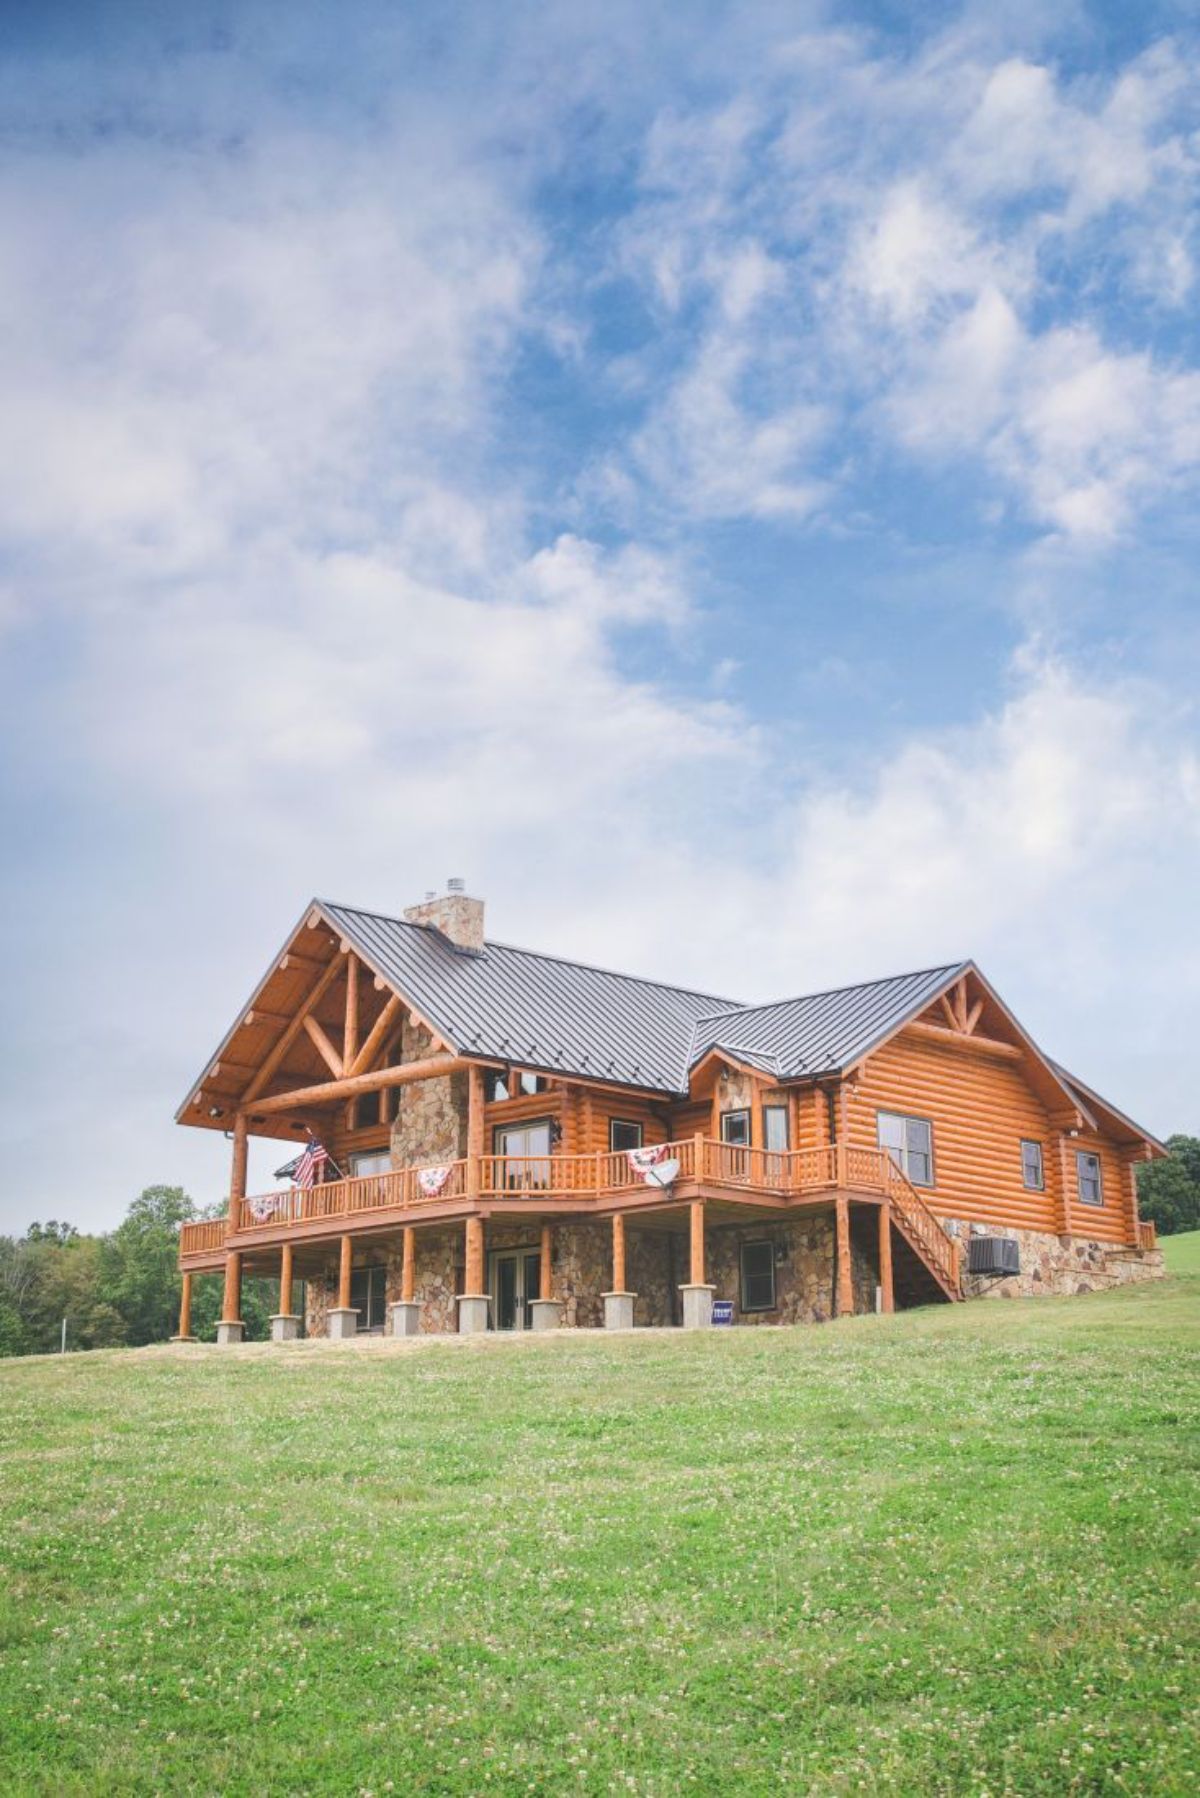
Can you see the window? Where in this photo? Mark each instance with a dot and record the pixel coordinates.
(527, 1148)
(624, 1134)
(735, 1127)
(775, 1128)
(371, 1161)
(1032, 1172)
(758, 1276)
(368, 1295)
(366, 1110)
(909, 1142)
(496, 1088)
(532, 1083)
(1087, 1176)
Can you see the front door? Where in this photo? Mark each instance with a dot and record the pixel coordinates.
(515, 1277)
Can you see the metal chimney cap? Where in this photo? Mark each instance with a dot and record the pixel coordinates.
(456, 885)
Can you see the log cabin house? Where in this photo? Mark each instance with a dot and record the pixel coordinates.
(522, 1142)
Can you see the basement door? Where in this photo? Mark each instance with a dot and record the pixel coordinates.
(516, 1274)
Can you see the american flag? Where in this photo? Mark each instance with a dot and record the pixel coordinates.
(313, 1159)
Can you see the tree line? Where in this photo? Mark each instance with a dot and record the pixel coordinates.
(117, 1289)
(122, 1287)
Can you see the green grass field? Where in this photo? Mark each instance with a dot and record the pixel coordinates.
(953, 1551)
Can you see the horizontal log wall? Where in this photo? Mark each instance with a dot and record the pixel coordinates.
(980, 1109)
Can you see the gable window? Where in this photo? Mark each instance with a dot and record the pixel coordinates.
(1087, 1177)
(495, 1087)
(735, 1127)
(532, 1083)
(1032, 1172)
(368, 1295)
(366, 1110)
(623, 1133)
(758, 1276)
(775, 1128)
(909, 1142)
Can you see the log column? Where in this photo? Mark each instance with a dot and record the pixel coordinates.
(231, 1329)
(406, 1313)
(845, 1281)
(343, 1318)
(618, 1304)
(544, 1310)
(185, 1311)
(887, 1300)
(473, 1302)
(697, 1295)
(285, 1325)
(237, 1172)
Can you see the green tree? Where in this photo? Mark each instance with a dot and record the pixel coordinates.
(138, 1263)
(1169, 1191)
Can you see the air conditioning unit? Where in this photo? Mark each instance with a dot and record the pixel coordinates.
(996, 1255)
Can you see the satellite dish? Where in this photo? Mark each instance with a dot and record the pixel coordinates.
(663, 1173)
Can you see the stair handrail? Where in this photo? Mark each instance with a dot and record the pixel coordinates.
(915, 1218)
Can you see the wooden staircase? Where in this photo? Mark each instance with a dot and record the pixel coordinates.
(925, 1260)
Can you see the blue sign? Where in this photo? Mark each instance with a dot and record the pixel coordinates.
(722, 1311)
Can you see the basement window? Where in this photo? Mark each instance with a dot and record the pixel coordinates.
(624, 1134)
(1032, 1172)
(1088, 1178)
(758, 1276)
(909, 1142)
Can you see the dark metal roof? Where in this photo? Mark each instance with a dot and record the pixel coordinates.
(822, 1032)
(513, 1005)
(542, 1012)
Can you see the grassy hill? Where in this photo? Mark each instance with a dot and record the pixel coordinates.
(952, 1552)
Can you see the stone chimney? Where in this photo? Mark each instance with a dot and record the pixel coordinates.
(453, 913)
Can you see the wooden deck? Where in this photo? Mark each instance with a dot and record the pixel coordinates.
(595, 1185)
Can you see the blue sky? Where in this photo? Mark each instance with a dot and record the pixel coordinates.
(721, 479)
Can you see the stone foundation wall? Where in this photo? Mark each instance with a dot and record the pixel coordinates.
(1060, 1265)
(804, 1276)
(656, 1263)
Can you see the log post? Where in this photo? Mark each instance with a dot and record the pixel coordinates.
(408, 1265)
(546, 1265)
(845, 1281)
(475, 1103)
(474, 1257)
(285, 1325)
(185, 1310)
(231, 1329)
(887, 1295)
(231, 1309)
(342, 1319)
(697, 1241)
(237, 1172)
(618, 1252)
(473, 1303)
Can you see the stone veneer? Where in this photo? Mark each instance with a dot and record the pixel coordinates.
(656, 1264)
(431, 1115)
(1059, 1265)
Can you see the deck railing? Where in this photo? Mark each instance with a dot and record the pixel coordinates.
(772, 1172)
